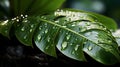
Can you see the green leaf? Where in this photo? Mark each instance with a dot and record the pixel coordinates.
(78, 32)
(116, 34)
(25, 29)
(44, 38)
(108, 22)
(5, 27)
(34, 7)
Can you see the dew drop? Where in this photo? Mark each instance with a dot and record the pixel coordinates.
(76, 47)
(64, 45)
(47, 47)
(64, 26)
(32, 26)
(25, 37)
(31, 30)
(90, 48)
(68, 37)
(71, 44)
(88, 24)
(73, 52)
(46, 31)
(40, 28)
(39, 37)
(48, 39)
(17, 20)
(26, 21)
(23, 29)
(26, 16)
(73, 25)
(5, 22)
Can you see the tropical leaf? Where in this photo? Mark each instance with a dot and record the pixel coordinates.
(73, 33)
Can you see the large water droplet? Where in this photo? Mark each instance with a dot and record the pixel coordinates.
(64, 45)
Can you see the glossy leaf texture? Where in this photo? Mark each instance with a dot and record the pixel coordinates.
(107, 21)
(71, 32)
(34, 7)
(78, 32)
(116, 34)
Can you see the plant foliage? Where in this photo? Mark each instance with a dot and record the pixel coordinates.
(72, 32)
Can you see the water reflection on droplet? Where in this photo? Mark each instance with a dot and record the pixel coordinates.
(31, 30)
(68, 37)
(39, 37)
(90, 48)
(23, 29)
(64, 45)
(76, 47)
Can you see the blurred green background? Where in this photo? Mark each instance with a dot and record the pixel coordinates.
(110, 8)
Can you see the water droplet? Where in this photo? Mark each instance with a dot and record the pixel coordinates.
(39, 37)
(32, 26)
(71, 44)
(87, 23)
(47, 47)
(25, 37)
(23, 29)
(90, 48)
(64, 45)
(57, 21)
(66, 33)
(43, 17)
(17, 20)
(83, 29)
(40, 28)
(46, 31)
(64, 26)
(5, 22)
(25, 20)
(68, 37)
(73, 52)
(31, 30)
(76, 47)
(26, 16)
(73, 25)
(48, 39)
